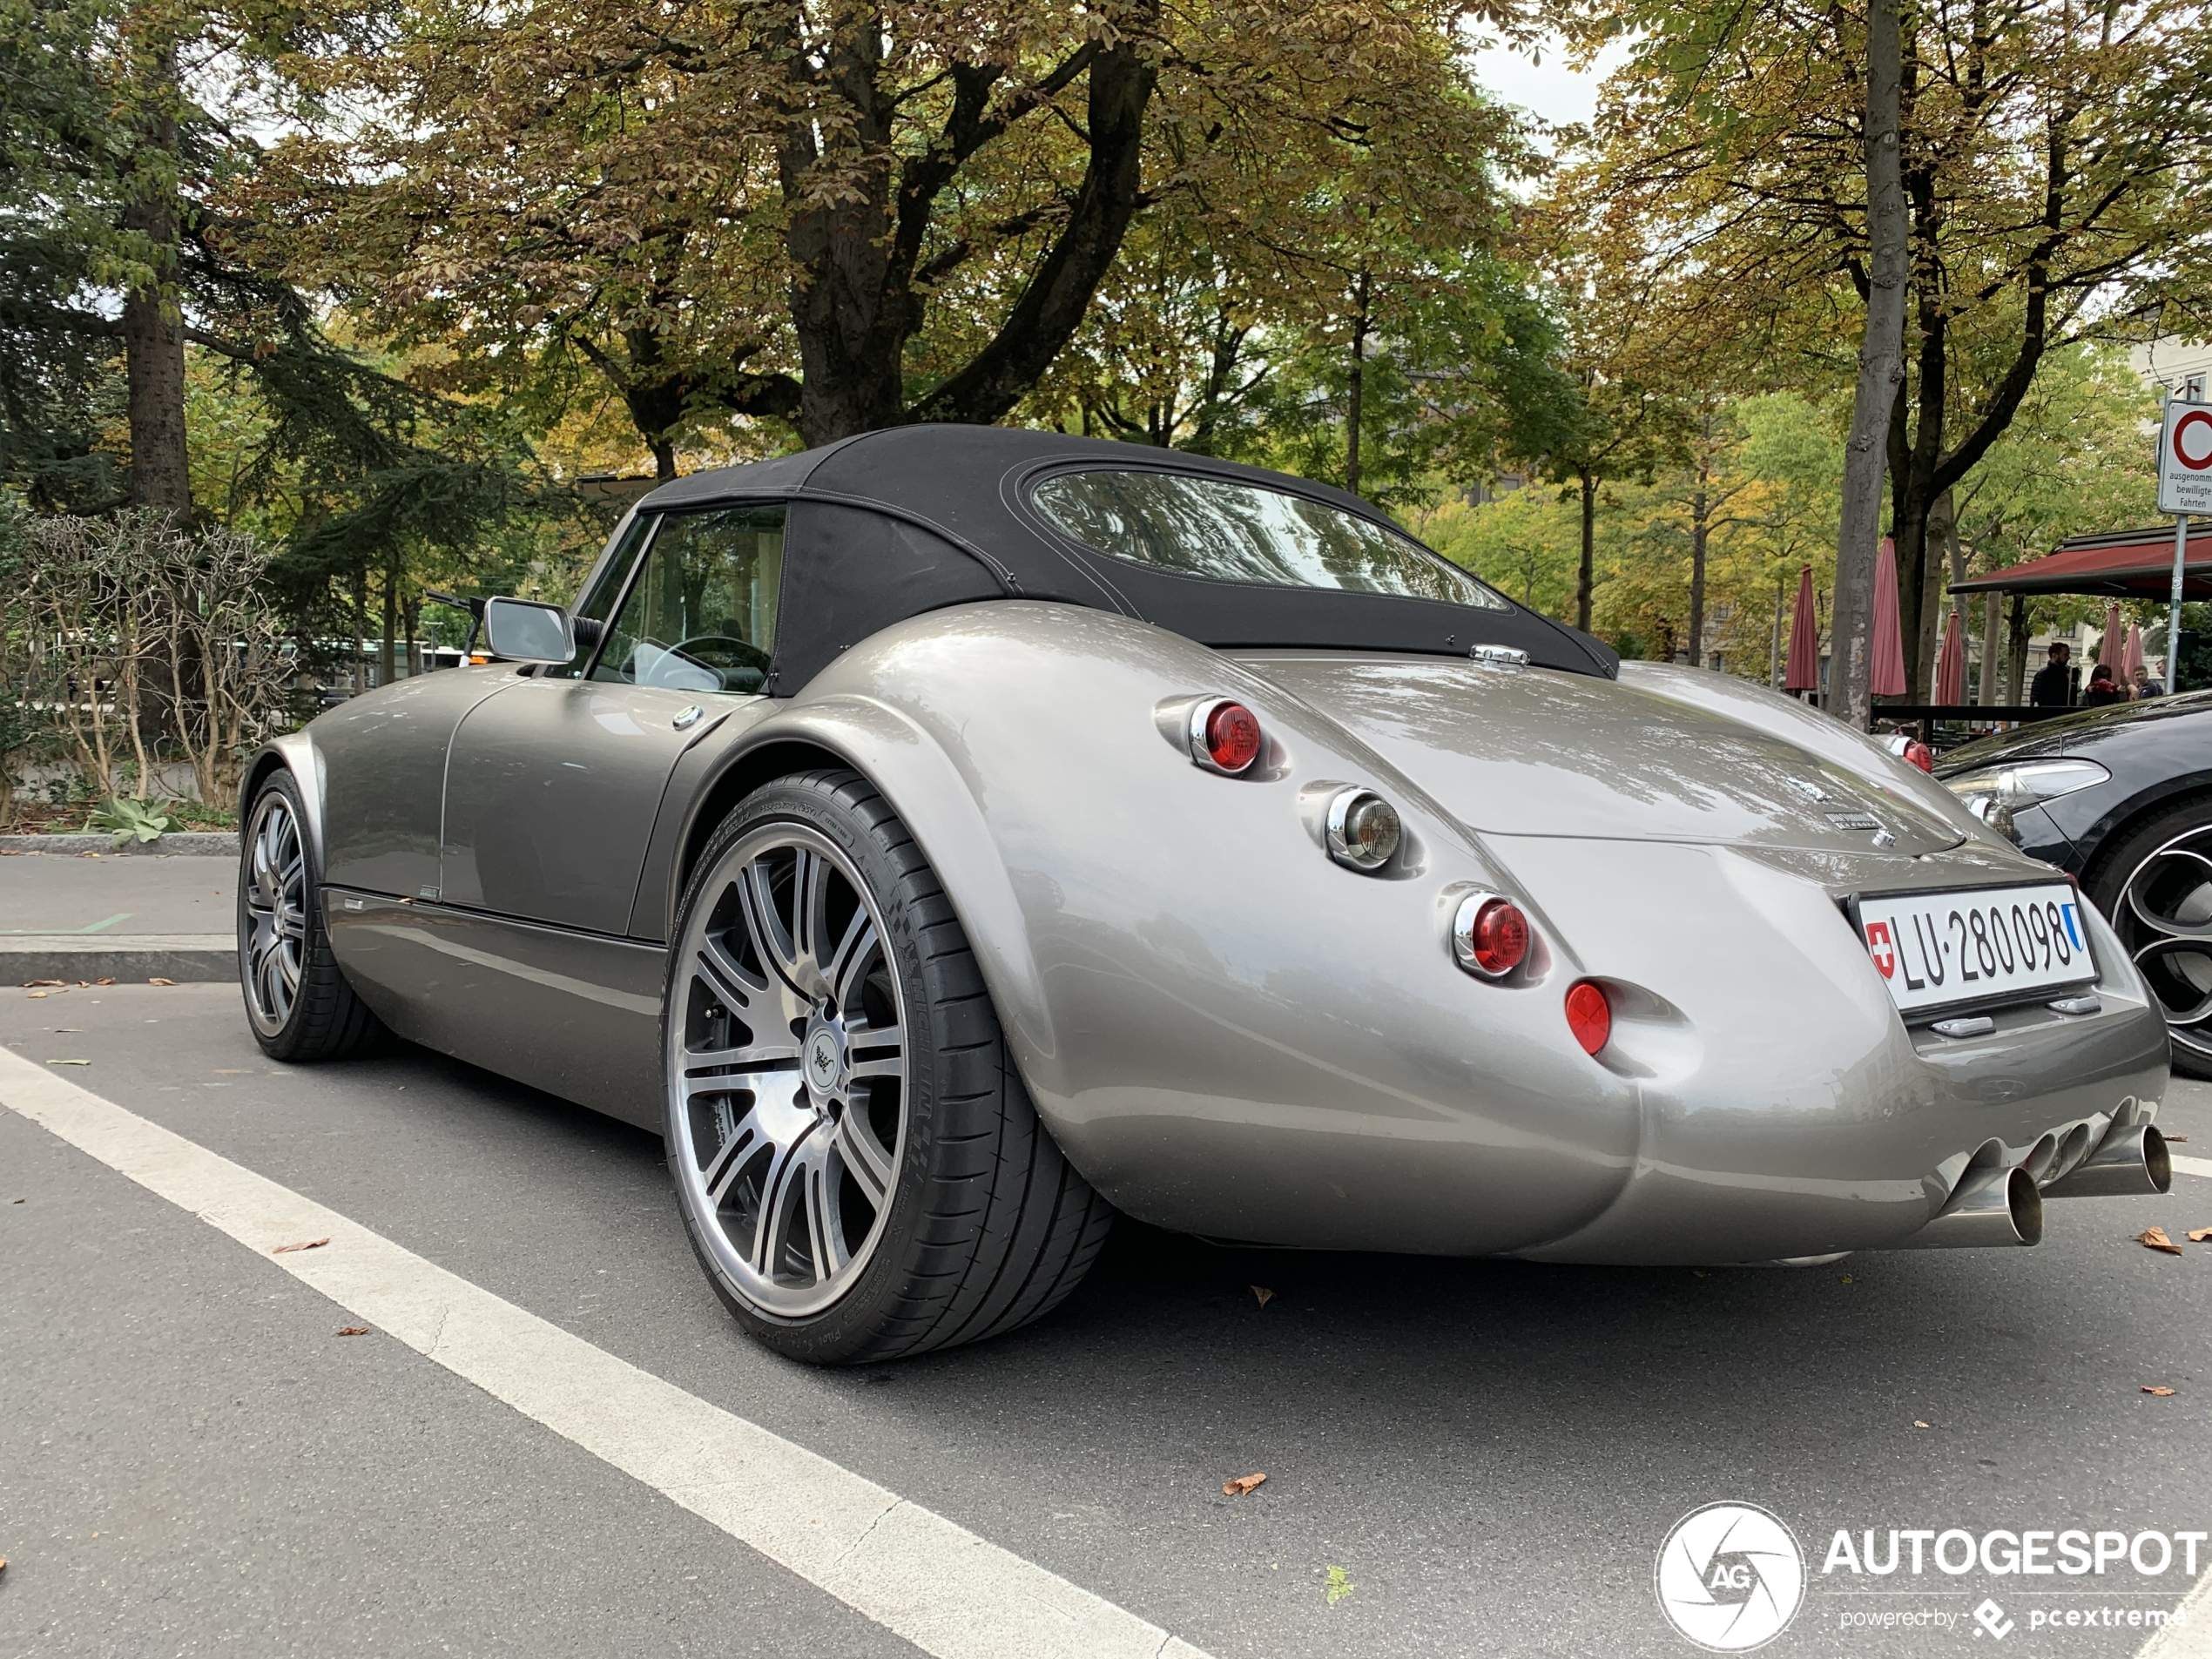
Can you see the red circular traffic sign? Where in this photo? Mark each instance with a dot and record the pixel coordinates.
(2194, 418)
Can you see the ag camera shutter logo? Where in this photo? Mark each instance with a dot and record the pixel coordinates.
(1730, 1577)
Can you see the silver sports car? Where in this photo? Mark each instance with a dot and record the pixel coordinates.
(950, 836)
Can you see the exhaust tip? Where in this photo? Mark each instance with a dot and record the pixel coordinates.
(2024, 1203)
(2158, 1163)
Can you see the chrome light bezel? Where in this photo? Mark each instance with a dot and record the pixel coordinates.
(1342, 848)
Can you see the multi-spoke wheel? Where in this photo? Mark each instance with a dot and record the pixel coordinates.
(2157, 893)
(297, 1001)
(861, 1170)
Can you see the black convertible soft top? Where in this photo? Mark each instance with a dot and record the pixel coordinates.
(889, 524)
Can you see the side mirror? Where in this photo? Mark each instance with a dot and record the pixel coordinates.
(523, 630)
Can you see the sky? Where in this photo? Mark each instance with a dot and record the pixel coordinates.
(1550, 89)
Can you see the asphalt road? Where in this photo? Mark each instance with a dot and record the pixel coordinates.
(1489, 1455)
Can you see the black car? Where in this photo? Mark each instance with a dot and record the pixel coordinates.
(2120, 797)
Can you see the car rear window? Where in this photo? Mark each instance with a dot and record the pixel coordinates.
(1234, 532)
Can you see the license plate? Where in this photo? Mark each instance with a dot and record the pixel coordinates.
(1976, 945)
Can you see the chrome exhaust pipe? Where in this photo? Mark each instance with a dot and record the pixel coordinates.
(2129, 1164)
(1991, 1206)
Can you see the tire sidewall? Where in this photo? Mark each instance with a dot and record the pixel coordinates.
(812, 801)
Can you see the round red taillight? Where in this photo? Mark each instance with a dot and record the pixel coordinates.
(1224, 736)
(1490, 935)
(1589, 1016)
(1918, 754)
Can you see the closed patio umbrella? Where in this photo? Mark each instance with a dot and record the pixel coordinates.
(2132, 657)
(1888, 677)
(1803, 672)
(1951, 665)
(2109, 648)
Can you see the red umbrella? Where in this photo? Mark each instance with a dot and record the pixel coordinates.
(2109, 647)
(1888, 678)
(1951, 665)
(1802, 674)
(2131, 657)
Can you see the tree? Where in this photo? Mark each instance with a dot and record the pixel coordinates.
(2053, 162)
(837, 217)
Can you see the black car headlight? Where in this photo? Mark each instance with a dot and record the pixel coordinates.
(1995, 793)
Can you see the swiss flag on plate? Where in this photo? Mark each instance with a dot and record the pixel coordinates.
(1882, 948)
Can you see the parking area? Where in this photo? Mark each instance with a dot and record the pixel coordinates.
(1462, 1457)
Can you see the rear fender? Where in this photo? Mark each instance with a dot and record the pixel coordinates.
(294, 752)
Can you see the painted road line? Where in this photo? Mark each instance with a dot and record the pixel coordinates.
(919, 1576)
(65, 932)
(2190, 1635)
(2191, 1166)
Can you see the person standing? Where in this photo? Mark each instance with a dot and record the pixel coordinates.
(2103, 689)
(2145, 685)
(2053, 685)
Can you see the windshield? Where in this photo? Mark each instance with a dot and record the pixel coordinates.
(1234, 532)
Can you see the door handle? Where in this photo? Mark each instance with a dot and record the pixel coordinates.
(688, 718)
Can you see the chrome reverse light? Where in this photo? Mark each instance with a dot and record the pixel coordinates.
(1224, 736)
(1363, 829)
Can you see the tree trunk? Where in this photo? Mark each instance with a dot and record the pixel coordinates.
(2016, 652)
(1701, 529)
(1880, 370)
(1584, 573)
(1939, 551)
(153, 331)
(1993, 649)
(1356, 391)
(385, 652)
(1774, 644)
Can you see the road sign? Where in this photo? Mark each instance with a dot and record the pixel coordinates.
(2185, 459)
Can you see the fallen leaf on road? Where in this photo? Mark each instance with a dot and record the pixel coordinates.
(1265, 1295)
(1847, 1278)
(2155, 1238)
(2200, 1235)
(69, 1062)
(312, 1244)
(34, 996)
(29, 983)
(1337, 1585)
(1242, 1484)
(161, 982)
(1698, 1273)
(353, 1330)
(2169, 1139)
(103, 982)
(1917, 1423)
(230, 1071)
(2160, 1391)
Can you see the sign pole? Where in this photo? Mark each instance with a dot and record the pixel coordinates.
(2184, 490)
(2174, 612)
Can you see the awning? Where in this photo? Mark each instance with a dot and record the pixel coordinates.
(2118, 564)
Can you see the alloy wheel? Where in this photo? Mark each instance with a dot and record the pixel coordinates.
(787, 1059)
(2164, 916)
(275, 922)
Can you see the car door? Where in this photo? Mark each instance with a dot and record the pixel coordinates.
(554, 783)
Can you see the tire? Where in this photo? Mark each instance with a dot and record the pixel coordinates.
(2155, 885)
(297, 1001)
(861, 1170)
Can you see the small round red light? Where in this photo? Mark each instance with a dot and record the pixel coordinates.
(1589, 1016)
(1918, 754)
(1500, 937)
(1233, 736)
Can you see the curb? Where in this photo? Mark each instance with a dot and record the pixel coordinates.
(186, 958)
(183, 843)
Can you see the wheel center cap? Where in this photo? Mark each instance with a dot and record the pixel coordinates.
(825, 1059)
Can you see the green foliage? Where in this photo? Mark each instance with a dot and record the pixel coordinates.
(130, 820)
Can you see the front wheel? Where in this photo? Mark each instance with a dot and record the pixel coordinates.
(297, 1000)
(860, 1170)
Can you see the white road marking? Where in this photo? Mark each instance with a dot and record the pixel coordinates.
(2191, 1636)
(938, 1585)
(2192, 1166)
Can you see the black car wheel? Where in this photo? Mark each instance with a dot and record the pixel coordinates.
(2155, 887)
(860, 1170)
(297, 1001)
